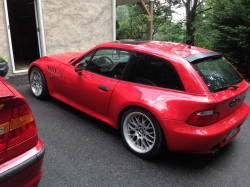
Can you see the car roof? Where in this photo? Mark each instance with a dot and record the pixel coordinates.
(181, 50)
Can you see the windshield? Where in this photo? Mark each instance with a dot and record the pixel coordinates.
(217, 73)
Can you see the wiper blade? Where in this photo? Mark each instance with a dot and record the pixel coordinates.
(226, 87)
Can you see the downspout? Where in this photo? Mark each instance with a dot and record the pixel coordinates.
(114, 19)
(40, 21)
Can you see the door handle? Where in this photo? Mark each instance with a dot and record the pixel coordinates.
(104, 88)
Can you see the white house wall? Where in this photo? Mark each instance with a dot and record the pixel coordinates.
(76, 25)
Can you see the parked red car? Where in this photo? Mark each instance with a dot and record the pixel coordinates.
(190, 98)
(21, 151)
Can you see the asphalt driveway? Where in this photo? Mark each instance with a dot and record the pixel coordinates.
(83, 151)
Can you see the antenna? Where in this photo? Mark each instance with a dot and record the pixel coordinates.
(191, 44)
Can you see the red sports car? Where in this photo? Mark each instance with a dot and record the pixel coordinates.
(156, 93)
(21, 151)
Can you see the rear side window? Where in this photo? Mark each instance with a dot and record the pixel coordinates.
(153, 71)
(217, 73)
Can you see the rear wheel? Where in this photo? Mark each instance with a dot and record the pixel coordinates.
(141, 132)
(38, 83)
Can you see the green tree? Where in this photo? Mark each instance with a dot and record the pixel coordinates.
(162, 15)
(171, 31)
(231, 24)
(193, 8)
(132, 25)
(204, 34)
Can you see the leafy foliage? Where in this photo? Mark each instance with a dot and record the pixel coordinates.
(2, 59)
(173, 32)
(118, 24)
(231, 21)
(134, 21)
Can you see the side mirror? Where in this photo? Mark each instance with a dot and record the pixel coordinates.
(78, 68)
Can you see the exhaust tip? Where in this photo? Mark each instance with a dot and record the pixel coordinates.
(214, 151)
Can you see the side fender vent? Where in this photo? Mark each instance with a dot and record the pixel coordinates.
(52, 70)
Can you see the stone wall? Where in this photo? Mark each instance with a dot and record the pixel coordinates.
(4, 43)
(76, 25)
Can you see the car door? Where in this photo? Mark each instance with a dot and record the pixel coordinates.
(93, 89)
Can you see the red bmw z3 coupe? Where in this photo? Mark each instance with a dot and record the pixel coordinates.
(21, 150)
(156, 93)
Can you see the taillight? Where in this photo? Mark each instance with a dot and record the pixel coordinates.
(4, 129)
(203, 118)
(22, 125)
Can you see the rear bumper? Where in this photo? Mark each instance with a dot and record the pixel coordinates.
(182, 137)
(25, 169)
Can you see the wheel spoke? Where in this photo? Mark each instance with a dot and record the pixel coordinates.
(133, 122)
(148, 140)
(150, 136)
(144, 122)
(130, 127)
(148, 133)
(144, 143)
(136, 118)
(148, 127)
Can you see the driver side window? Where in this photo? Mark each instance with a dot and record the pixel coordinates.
(109, 62)
(85, 60)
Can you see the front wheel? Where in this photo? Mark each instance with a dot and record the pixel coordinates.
(38, 83)
(141, 132)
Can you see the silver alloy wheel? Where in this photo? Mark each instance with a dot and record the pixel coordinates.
(139, 132)
(36, 83)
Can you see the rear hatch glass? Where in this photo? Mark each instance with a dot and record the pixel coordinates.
(224, 82)
(217, 74)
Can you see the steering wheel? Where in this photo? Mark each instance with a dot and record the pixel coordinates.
(104, 60)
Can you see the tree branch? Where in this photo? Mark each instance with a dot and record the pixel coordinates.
(199, 3)
(183, 2)
(203, 11)
(193, 9)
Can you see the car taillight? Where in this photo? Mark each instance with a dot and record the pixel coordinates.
(203, 118)
(22, 125)
(4, 129)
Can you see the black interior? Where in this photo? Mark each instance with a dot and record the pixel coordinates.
(23, 32)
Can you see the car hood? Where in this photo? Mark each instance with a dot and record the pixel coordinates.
(66, 57)
(4, 90)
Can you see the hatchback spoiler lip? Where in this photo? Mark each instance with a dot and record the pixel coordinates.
(201, 56)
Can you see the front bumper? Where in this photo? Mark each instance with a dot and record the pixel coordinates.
(25, 169)
(182, 137)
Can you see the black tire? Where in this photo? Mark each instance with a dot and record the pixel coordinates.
(4, 67)
(139, 134)
(38, 83)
